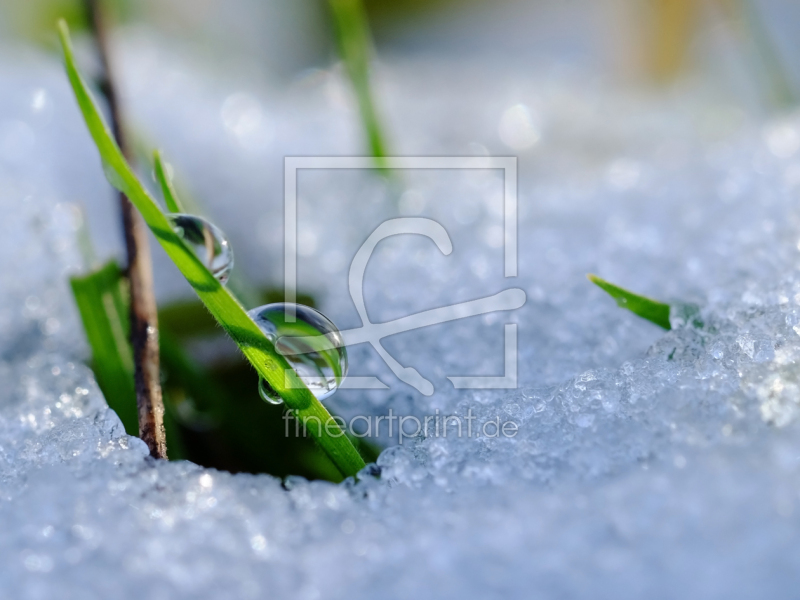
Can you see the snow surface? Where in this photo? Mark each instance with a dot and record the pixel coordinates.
(647, 464)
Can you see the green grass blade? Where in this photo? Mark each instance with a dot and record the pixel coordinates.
(104, 316)
(164, 179)
(220, 303)
(185, 204)
(352, 36)
(103, 309)
(647, 308)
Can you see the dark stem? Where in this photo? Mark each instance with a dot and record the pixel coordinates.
(143, 313)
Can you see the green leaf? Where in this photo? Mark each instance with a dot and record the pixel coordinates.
(103, 307)
(352, 35)
(233, 318)
(164, 178)
(104, 315)
(647, 308)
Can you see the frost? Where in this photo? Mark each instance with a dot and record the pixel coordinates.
(645, 464)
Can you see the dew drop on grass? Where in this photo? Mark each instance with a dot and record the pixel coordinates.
(312, 345)
(267, 393)
(112, 177)
(207, 241)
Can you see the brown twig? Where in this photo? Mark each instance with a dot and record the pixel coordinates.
(143, 314)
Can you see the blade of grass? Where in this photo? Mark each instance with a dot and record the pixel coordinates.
(102, 310)
(353, 39)
(185, 319)
(164, 179)
(221, 304)
(163, 172)
(101, 301)
(647, 308)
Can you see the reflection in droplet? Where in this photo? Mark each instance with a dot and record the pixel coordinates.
(320, 362)
(207, 241)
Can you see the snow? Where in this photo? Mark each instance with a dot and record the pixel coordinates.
(647, 464)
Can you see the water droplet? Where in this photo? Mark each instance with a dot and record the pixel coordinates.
(207, 241)
(320, 362)
(268, 394)
(112, 177)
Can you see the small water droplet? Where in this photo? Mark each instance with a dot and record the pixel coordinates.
(112, 177)
(267, 393)
(321, 363)
(207, 242)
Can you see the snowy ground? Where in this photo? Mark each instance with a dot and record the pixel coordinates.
(646, 464)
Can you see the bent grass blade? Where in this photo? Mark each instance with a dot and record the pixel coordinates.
(221, 304)
(353, 38)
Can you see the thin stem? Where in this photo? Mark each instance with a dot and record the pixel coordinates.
(353, 37)
(143, 313)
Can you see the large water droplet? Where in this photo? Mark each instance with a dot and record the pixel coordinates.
(207, 242)
(320, 362)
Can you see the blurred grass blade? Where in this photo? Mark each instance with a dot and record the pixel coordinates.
(353, 39)
(104, 315)
(782, 93)
(164, 178)
(220, 303)
(652, 310)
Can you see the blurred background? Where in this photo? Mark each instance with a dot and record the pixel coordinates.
(743, 44)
